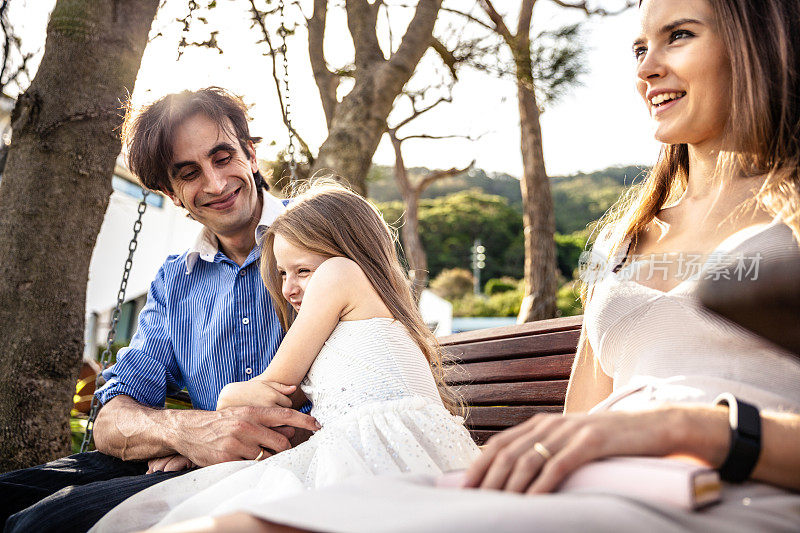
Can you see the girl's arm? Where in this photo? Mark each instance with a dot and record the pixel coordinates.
(331, 292)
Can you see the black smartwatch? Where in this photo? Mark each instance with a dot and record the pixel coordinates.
(745, 422)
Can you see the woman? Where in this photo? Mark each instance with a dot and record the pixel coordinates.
(720, 79)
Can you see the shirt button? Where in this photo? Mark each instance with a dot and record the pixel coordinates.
(248, 371)
(242, 272)
(245, 321)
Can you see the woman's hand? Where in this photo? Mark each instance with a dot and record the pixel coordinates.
(511, 462)
(170, 463)
(255, 392)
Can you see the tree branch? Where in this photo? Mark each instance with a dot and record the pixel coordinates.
(11, 42)
(427, 136)
(446, 55)
(499, 24)
(524, 22)
(418, 112)
(467, 16)
(327, 81)
(596, 11)
(417, 37)
(362, 20)
(425, 182)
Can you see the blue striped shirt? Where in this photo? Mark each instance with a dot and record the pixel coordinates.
(206, 324)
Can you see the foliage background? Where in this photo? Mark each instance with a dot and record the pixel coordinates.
(456, 211)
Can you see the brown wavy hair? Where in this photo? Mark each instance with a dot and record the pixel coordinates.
(149, 133)
(333, 221)
(763, 46)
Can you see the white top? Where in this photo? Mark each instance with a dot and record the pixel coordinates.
(664, 347)
(365, 361)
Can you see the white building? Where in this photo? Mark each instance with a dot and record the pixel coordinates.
(165, 230)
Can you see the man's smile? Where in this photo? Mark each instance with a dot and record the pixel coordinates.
(224, 202)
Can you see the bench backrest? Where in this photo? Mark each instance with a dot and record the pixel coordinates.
(506, 375)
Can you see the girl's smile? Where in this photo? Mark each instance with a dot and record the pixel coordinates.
(295, 267)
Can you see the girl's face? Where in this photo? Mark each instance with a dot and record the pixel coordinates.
(295, 266)
(683, 72)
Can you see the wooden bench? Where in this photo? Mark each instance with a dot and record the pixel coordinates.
(507, 374)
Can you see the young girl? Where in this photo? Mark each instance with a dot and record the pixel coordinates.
(358, 349)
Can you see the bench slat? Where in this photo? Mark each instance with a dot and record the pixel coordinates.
(545, 344)
(517, 330)
(524, 392)
(503, 417)
(534, 368)
(480, 436)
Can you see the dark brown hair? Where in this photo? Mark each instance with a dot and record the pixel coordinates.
(149, 133)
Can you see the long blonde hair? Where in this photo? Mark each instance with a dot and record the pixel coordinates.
(333, 221)
(763, 47)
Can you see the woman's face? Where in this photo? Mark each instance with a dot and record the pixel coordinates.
(295, 266)
(683, 71)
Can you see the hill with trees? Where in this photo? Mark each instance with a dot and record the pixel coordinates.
(578, 199)
(455, 211)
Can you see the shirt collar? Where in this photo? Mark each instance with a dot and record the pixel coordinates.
(207, 245)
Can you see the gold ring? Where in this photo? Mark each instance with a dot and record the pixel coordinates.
(260, 455)
(540, 448)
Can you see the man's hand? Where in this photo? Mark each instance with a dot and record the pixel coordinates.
(132, 431)
(170, 463)
(255, 392)
(239, 433)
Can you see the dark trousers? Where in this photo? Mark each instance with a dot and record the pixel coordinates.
(70, 494)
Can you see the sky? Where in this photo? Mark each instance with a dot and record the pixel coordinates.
(600, 123)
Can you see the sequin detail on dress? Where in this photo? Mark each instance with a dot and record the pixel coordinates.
(375, 397)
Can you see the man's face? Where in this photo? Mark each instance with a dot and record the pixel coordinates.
(212, 178)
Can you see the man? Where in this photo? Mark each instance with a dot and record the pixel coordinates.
(208, 322)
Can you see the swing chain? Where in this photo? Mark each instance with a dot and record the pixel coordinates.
(105, 357)
(287, 111)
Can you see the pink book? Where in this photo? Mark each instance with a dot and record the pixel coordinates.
(674, 482)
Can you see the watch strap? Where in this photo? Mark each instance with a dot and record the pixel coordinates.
(745, 447)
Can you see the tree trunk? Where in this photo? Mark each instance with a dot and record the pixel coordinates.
(412, 245)
(354, 133)
(357, 123)
(537, 203)
(409, 233)
(537, 216)
(53, 197)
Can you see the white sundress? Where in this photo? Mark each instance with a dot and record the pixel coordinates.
(374, 395)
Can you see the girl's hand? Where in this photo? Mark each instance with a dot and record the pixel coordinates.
(511, 462)
(257, 393)
(170, 463)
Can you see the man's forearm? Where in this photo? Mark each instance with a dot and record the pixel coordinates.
(132, 431)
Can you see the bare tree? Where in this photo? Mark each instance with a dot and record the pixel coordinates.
(411, 190)
(53, 196)
(357, 122)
